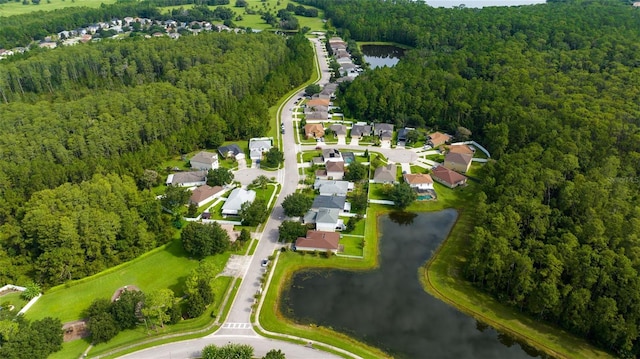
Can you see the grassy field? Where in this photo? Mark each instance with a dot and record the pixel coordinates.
(165, 268)
(254, 21)
(16, 8)
(352, 245)
(14, 299)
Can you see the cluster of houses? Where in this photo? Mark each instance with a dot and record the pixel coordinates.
(329, 203)
(348, 69)
(203, 161)
(169, 28)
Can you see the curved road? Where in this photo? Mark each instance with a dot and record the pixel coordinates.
(237, 328)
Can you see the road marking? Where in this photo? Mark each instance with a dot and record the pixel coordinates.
(237, 326)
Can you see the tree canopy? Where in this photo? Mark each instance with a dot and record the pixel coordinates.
(296, 204)
(202, 240)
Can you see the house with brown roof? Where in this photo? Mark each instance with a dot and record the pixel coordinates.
(318, 241)
(204, 194)
(419, 181)
(333, 171)
(313, 130)
(318, 102)
(438, 138)
(459, 162)
(462, 149)
(385, 174)
(448, 177)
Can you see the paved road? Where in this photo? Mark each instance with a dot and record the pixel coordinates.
(192, 348)
(237, 327)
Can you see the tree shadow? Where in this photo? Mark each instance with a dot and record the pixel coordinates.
(402, 218)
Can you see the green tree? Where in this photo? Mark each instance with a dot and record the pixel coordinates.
(175, 197)
(402, 195)
(192, 210)
(274, 354)
(32, 290)
(245, 235)
(219, 177)
(296, 204)
(359, 201)
(236, 351)
(254, 213)
(157, 306)
(273, 158)
(312, 89)
(125, 309)
(202, 240)
(103, 327)
(356, 171)
(289, 231)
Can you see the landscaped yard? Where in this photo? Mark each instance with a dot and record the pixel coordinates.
(418, 169)
(14, 299)
(376, 191)
(353, 245)
(307, 156)
(359, 228)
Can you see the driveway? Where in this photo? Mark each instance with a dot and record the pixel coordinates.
(247, 175)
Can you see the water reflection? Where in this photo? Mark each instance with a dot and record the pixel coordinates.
(388, 307)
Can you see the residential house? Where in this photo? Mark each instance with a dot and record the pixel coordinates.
(318, 241)
(459, 162)
(419, 181)
(339, 202)
(383, 130)
(317, 115)
(448, 177)
(438, 139)
(236, 199)
(317, 108)
(329, 90)
(340, 131)
(204, 194)
(335, 170)
(462, 149)
(360, 130)
(318, 102)
(259, 146)
(385, 174)
(331, 155)
(187, 179)
(325, 219)
(333, 188)
(314, 130)
(402, 134)
(231, 151)
(204, 160)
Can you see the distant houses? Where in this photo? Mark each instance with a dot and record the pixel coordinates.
(448, 177)
(258, 147)
(385, 174)
(205, 194)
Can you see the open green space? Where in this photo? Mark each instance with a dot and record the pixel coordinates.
(265, 193)
(254, 21)
(17, 8)
(14, 299)
(307, 156)
(353, 246)
(376, 191)
(165, 267)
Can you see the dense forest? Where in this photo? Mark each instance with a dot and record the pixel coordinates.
(81, 124)
(552, 90)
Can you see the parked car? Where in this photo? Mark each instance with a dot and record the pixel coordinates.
(264, 262)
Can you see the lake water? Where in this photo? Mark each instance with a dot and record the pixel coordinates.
(482, 3)
(388, 307)
(381, 55)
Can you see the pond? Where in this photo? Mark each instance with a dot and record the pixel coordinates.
(388, 307)
(381, 55)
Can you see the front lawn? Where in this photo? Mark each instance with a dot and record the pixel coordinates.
(14, 299)
(418, 169)
(307, 156)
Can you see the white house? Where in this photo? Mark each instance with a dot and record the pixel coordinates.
(333, 188)
(259, 146)
(204, 161)
(420, 182)
(235, 200)
(187, 179)
(325, 219)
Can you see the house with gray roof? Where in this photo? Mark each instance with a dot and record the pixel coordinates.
(360, 130)
(231, 151)
(187, 179)
(259, 146)
(325, 219)
(383, 130)
(339, 202)
(385, 174)
(234, 202)
(331, 155)
(338, 130)
(317, 115)
(204, 160)
(333, 188)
